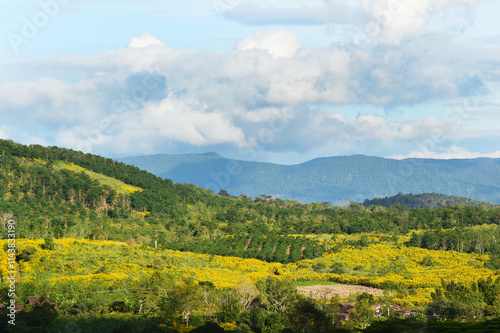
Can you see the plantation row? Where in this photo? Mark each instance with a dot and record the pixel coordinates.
(270, 248)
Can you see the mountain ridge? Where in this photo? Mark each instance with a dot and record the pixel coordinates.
(336, 179)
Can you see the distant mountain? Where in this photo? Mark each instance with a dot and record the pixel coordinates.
(424, 200)
(331, 179)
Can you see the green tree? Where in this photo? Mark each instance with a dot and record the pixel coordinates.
(49, 243)
(362, 315)
(277, 295)
(185, 297)
(309, 316)
(230, 309)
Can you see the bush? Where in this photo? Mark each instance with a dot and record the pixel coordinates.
(27, 253)
(49, 243)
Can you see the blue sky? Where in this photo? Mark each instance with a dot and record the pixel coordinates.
(278, 81)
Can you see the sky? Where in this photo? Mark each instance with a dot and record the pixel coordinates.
(265, 80)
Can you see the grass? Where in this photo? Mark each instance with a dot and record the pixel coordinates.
(314, 283)
(117, 185)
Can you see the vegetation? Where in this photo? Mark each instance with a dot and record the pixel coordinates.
(271, 248)
(121, 250)
(424, 200)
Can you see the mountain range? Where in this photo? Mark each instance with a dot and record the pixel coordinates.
(331, 179)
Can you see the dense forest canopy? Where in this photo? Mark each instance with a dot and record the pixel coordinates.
(67, 202)
(424, 200)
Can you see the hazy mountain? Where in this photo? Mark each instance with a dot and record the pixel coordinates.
(333, 179)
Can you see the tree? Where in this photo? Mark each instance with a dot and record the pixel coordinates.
(362, 315)
(495, 307)
(37, 318)
(223, 193)
(457, 301)
(276, 294)
(267, 322)
(185, 297)
(246, 291)
(230, 309)
(309, 316)
(366, 296)
(49, 243)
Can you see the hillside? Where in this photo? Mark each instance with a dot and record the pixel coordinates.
(332, 179)
(120, 249)
(424, 200)
(70, 194)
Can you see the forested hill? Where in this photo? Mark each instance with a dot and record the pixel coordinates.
(71, 194)
(332, 179)
(424, 200)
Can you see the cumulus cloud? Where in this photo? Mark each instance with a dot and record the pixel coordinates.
(279, 43)
(379, 21)
(192, 124)
(144, 40)
(394, 21)
(149, 94)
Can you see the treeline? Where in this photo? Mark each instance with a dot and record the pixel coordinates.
(469, 240)
(270, 248)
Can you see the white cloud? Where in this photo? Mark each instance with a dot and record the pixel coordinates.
(372, 127)
(394, 21)
(426, 128)
(144, 40)
(19, 94)
(279, 43)
(264, 114)
(192, 124)
(148, 94)
(374, 21)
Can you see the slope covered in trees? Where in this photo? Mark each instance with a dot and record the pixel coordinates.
(70, 203)
(424, 200)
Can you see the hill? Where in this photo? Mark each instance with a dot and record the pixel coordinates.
(113, 246)
(424, 200)
(332, 179)
(71, 194)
